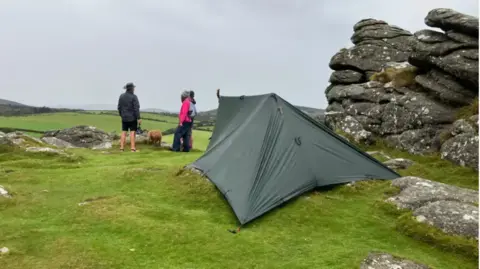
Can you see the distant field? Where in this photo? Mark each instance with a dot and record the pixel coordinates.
(145, 115)
(200, 139)
(108, 123)
(44, 122)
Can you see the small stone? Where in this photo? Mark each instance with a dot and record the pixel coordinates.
(398, 163)
(4, 192)
(421, 218)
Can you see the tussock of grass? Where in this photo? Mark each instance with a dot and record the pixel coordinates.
(467, 111)
(400, 77)
(429, 234)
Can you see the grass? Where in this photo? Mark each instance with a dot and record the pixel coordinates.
(44, 122)
(467, 111)
(400, 77)
(143, 214)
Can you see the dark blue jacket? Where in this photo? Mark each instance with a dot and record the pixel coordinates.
(128, 107)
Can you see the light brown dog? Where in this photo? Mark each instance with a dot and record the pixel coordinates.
(155, 136)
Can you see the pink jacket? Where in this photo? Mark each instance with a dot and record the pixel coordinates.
(183, 116)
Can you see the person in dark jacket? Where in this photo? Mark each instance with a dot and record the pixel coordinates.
(129, 110)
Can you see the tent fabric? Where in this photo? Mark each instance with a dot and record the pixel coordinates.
(265, 151)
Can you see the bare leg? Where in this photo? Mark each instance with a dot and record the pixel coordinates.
(132, 140)
(122, 139)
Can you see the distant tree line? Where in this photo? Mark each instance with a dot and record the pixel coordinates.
(13, 110)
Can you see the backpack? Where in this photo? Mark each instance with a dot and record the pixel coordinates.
(192, 111)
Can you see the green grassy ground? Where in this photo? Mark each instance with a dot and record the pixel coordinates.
(53, 121)
(149, 216)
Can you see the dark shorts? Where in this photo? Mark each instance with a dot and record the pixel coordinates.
(129, 125)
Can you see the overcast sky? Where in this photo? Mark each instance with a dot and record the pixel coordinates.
(77, 52)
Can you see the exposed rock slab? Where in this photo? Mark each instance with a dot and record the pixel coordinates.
(444, 206)
(387, 261)
(43, 149)
(81, 136)
(445, 88)
(451, 217)
(346, 77)
(59, 143)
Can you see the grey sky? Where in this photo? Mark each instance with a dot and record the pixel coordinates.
(82, 52)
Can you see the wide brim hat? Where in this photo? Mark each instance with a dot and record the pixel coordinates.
(129, 85)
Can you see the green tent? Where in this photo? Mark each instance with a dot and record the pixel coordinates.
(265, 151)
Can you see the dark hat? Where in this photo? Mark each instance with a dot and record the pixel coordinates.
(129, 85)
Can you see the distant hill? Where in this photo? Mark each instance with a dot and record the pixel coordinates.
(155, 110)
(107, 107)
(12, 108)
(8, 102)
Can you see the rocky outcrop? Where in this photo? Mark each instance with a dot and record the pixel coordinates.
(449, 208)
(405, 88)
(79, 136)
(387, 261)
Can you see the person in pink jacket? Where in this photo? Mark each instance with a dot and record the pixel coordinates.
(183, 132)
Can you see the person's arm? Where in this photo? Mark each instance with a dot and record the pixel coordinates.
(118, 106)
(136, 107)
(184, 111)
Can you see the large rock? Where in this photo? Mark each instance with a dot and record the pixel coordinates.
(81, 136)
(346, 77)
(449, 19)
(462, 150)
(376, 43)
(445, 88)
(387, 261)
(455, 52)
(449, 208)
(451, 217)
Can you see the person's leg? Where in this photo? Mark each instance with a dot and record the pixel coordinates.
(123, 135)
(186, 137)
(133, 132)
(176, 138)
